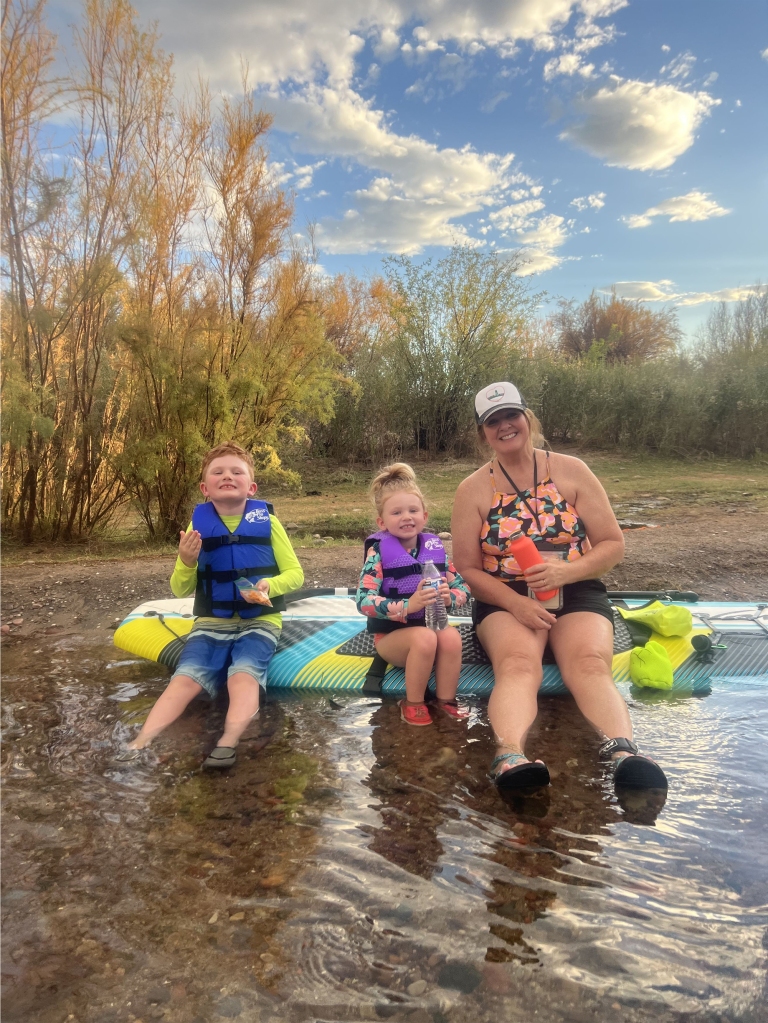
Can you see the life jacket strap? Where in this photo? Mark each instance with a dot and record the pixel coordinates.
(212, 543)
(230, 574)
(415, 569)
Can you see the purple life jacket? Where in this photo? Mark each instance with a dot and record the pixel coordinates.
(402, 571)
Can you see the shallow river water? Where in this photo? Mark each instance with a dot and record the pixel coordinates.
(348, 869)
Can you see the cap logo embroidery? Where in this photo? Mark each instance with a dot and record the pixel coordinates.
(497, 392)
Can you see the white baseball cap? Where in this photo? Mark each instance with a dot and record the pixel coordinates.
(502, 395)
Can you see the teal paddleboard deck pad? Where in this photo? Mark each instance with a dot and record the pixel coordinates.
(324, 644)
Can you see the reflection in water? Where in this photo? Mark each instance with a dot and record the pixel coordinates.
(351, 869)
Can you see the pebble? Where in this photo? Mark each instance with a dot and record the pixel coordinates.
(459, 976)
(272, 881)
(237, 916)
(159, 993)
(445, 536)
(17, 621)
(497, 978)
(417, 988)
(4, 630)
(229, 1007)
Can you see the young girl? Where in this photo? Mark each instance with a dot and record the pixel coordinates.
(394, 596)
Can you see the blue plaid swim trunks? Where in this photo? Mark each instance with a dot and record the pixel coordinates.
(219, 647)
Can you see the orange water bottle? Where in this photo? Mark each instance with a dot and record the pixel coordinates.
(524, 551)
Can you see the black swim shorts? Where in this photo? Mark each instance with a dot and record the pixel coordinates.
(587, 595)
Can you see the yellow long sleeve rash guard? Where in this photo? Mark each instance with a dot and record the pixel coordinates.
(290, 577)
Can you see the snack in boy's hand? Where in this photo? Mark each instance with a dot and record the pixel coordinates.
(251, 594)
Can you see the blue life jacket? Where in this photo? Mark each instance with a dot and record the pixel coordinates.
(227, 556)
(402, 571)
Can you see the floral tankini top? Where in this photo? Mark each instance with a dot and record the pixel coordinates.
(555, 526)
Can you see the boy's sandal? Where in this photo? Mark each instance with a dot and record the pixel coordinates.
(221, 757)
(415, 714)
(633, 770)
(523, 774)
(453, 709)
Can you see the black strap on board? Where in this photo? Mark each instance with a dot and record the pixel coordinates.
(375, 676)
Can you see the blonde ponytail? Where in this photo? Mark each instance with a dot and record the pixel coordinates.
(393, 479)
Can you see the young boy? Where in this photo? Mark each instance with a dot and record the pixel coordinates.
(232, 641)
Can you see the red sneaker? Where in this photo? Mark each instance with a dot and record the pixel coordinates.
(454, 710)
(414, 714)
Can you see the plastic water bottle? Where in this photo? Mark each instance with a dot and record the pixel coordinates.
(435, 614)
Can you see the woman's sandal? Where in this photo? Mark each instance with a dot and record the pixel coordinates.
(221, 757)
(523, 774)
(634, 770)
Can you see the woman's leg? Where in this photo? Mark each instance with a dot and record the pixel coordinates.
(582, 643)
(414, 649)
(243, 692)
(447, 663)
(515, 652)
(179, 692)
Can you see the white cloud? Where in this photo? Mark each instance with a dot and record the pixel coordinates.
(516, 216)
(567, 64)
(679, 67)
(419, 190)
(596, 201)
(538, 244)
(665, 291)
(693, 205)
(764, 53)
(639, 125)
(489, 105)
(297, 40)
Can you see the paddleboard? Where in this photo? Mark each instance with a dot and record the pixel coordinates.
(324, 644)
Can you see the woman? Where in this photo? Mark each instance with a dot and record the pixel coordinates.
(561, 505)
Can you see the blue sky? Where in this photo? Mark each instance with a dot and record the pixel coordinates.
(615, 142)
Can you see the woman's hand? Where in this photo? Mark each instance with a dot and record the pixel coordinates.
(189, 547)
(445, 592)
(530, 613)
(551, 574)
(263, 585)
(424, 594)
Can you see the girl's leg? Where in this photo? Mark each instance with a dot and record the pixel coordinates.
(515, 652)
(447, 663)
(582, 643)
(414, 649)
(180, 692)
(243, 707)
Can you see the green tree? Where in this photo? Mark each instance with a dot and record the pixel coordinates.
(456, 322)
